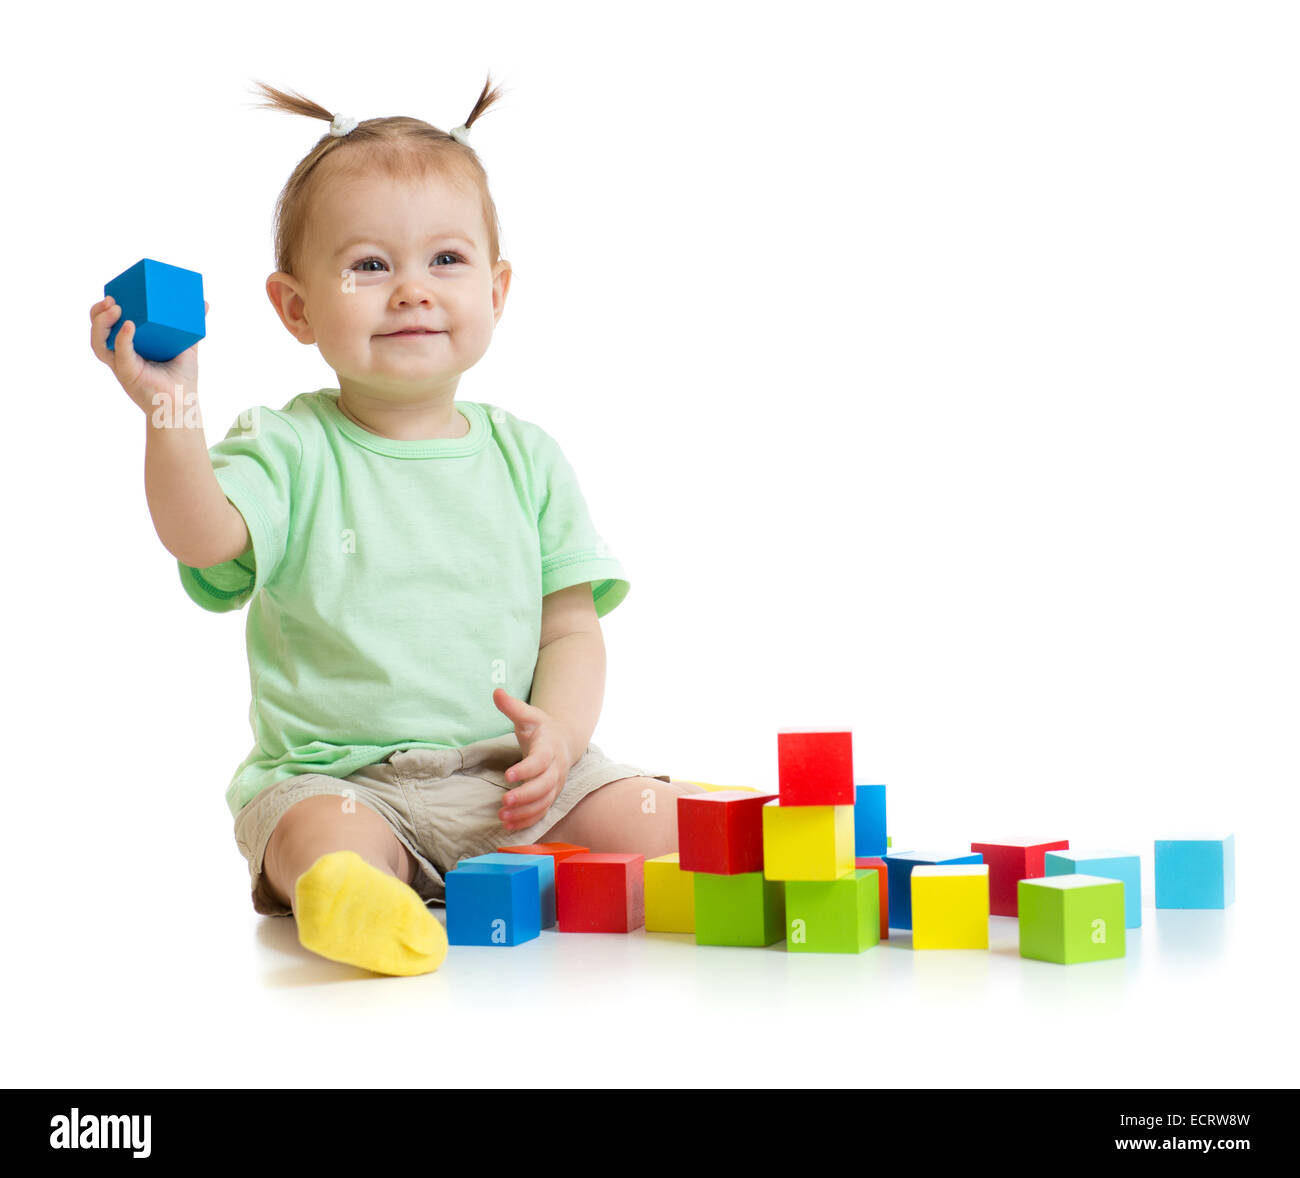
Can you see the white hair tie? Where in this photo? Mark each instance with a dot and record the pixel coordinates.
(342, 124)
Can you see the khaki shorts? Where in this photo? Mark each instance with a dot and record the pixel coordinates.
(441, 803)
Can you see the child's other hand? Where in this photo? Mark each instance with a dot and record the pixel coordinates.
(544, 769)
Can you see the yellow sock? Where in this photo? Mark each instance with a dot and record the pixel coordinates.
(348, 910)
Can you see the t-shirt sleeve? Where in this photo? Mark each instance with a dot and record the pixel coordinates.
(572, 550)
(255, 465)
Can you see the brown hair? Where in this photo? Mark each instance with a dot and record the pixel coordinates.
(401, 147)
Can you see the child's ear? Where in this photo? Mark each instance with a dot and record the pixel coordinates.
(501, 274)
(287, 297)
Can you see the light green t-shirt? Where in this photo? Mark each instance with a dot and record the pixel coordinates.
(394, 584)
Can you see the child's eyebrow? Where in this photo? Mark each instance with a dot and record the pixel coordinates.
(353, 242)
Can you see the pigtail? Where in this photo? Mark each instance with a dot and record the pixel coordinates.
(291, 103)
(485, 99)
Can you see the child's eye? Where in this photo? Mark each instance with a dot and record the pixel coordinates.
(361, 266)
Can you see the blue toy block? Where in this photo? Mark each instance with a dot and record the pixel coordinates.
(545, 864)
(900, 864)
(166, 305)
(1195, 872)
(1108, 865)
(869, 838)
(493, 904)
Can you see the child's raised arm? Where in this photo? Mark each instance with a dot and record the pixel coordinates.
(194, 520)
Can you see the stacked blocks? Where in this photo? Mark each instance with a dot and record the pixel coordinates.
(1109, 865)
(546, 876)
(808, 841)
(720, 841)
(950, 906)
(166, 305)
(878, 865)
(808, 830)
(1009, 863)
(669, 896)
(869, 836)
(600, 893)
(493, 904)
(901, 864)
(1071, 918)
(842, 916)
(1195, 872)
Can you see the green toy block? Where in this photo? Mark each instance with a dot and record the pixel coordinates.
(836, 916)
(1071, 918)
(742, 909)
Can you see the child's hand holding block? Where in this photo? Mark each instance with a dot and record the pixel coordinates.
(166, 305)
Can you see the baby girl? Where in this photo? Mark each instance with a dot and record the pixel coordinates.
(423, 577)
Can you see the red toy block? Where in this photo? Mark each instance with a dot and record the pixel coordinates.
(815, 768)
(881, 868)
(721, 832)
(600, 893)
(1009, 863)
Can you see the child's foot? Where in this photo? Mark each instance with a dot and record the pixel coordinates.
(349, 910)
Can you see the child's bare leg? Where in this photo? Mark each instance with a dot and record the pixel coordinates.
(320, 824)
(346, 876)
(635, 814)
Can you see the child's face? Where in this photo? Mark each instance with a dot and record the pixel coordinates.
(380, 255)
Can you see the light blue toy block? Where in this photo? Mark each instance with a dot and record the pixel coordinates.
(869, 838)
(493, 904)
(900, 864)
(1195, 872)
(166, 305)
(1107, 865)
(545, 864)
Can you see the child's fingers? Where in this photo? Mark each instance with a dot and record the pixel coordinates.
(123, 352)
(518, 819)
(102, 317)
(530, 791)
(530, 766)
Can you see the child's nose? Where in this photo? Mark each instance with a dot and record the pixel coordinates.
(413, 291)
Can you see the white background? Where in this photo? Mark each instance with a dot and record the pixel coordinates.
(932, 369)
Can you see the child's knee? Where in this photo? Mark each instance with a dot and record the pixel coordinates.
(329, 822)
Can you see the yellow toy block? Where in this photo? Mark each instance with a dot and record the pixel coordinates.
(669, 896)
(807, 842)
(711, 787)
(950, 906)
